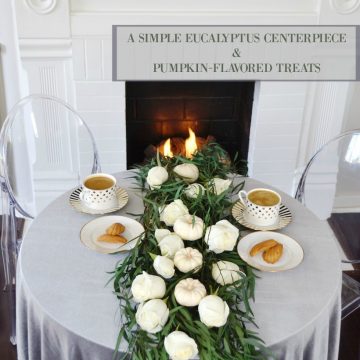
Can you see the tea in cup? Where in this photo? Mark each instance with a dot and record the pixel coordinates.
(262, 206)
(99, 192)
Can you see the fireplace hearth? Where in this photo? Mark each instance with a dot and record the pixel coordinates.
(157, 111)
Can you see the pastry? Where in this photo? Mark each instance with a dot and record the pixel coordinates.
(115, 239)
(273, 254)
(115, 229)
(262, 246)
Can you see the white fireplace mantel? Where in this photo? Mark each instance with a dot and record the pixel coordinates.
(71, 41)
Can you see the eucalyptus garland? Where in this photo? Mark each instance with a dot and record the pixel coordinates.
(230, 341)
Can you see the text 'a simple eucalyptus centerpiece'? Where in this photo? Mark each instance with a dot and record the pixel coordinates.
(184, 291)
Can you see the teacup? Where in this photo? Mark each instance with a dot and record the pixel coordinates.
(99, 192)
(262, 206)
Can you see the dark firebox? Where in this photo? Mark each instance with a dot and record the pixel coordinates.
(156, 111)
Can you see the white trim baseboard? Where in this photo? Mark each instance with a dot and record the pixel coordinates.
(347, 204)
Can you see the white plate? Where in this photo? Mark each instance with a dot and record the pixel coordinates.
(239, 213)
(78, 205)
(292, 256)
(93, 229)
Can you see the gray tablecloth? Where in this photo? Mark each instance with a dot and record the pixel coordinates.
(65, 311)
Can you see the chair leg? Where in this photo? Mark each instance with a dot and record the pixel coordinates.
(350, 296)
(12, 293)
(12, 312)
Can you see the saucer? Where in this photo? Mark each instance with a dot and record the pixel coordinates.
(77, 204)
(239, 213)
(94, 228)
(292, 256)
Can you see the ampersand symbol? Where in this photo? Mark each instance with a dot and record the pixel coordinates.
(236, 53)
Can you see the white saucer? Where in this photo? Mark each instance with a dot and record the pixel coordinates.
(292, 256)
(93, 229)
(78, 205)
(239, 213)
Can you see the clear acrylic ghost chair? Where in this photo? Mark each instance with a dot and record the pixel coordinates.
(330, 186)
(45, 150)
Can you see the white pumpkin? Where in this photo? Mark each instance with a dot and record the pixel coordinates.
(170, 244)
(226, 272)
(188, 259)
(171, 212)
(194, 190)
(161, 233)
(157, 175)
(189, 292)
(189, 227)
(188, 172)
(218, 186)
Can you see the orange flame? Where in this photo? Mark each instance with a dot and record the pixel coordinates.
(167, 148)
(190, 144)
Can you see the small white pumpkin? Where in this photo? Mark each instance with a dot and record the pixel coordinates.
(194, 190)
(164, 266)
(171, 212)
(161, 233)
(170, 244)
(218, 186)
(188, 172)
(156, 176)
(226, 272)
(189, 292)
(188, 259)
(189, 227)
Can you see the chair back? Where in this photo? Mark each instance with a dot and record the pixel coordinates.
(45, 149)
(330, 182)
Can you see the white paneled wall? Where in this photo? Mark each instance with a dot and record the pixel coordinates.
(100, 101)
(275, 132)
(48, 66)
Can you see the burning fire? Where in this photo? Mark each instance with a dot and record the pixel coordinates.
(167, 148)
(179, 146)
(190, 144)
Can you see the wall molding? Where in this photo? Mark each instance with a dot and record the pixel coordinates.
(326, 103)
(100, 23)
(41, 7)
(45, 48)
(345, 6)
(201, 5)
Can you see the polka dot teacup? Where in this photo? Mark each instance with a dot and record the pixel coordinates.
(262, 206)
(99, 192)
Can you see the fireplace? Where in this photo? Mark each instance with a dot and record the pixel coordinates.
(156, 111)
(289, 120)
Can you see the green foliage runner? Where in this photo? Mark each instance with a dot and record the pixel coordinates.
(231, 341)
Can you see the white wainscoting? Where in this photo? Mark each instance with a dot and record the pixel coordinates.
(275, 132)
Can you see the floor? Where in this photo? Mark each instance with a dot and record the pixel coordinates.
(346, 226)
(350, 331)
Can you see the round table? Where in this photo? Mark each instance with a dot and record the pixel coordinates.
(66, 311)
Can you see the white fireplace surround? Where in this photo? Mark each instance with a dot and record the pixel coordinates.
(65, 50)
